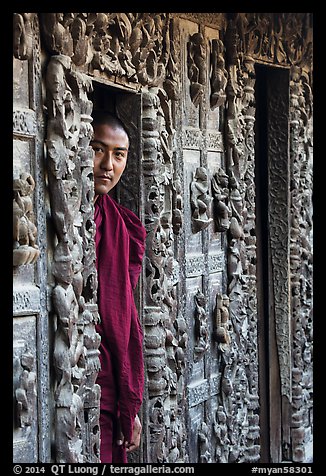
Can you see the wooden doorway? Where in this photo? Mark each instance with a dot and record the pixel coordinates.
(126, 104)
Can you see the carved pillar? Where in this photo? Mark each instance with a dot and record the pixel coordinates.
(70, 169)
(154, 352)
(301, 261)
(240, 375)
(164, 333)
(161, 277)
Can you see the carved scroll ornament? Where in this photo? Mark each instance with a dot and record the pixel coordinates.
(133, 46)
(280, 38)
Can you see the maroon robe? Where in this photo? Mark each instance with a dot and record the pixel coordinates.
(120, 245)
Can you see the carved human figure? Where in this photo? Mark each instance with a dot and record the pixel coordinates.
(80, 41)
(60, 95)
(227, 391)
(26, 392)
(57, 33)
(101, 37)
(234, 265)
(200, 200)
(221, 432)
(156, 419)
(125, 59)
(23, 35)
(104, 56)
(221, 321)
(176, 438)
(197, 67)
(68, 432)
(236, 200)
(201, 328)
(177, 219)
(219, 75)
(66, 308)
(203, 443)
(24, 230)
(220, 188)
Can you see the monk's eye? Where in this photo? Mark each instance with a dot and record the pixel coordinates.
(97, 149)
(119, 155)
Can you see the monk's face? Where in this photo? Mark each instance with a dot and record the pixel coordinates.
(110, 146)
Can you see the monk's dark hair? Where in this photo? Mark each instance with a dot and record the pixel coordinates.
(108, 118)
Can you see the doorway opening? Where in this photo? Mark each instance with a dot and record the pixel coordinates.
(127, 106)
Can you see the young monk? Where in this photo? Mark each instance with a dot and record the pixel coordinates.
(120, 245)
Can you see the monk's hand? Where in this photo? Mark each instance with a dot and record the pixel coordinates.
(120, 437)
(135, 437)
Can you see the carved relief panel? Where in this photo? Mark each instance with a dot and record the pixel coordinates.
(25, 432)
(204, 257)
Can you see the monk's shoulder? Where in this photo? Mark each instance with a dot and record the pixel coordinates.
(133, 223)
